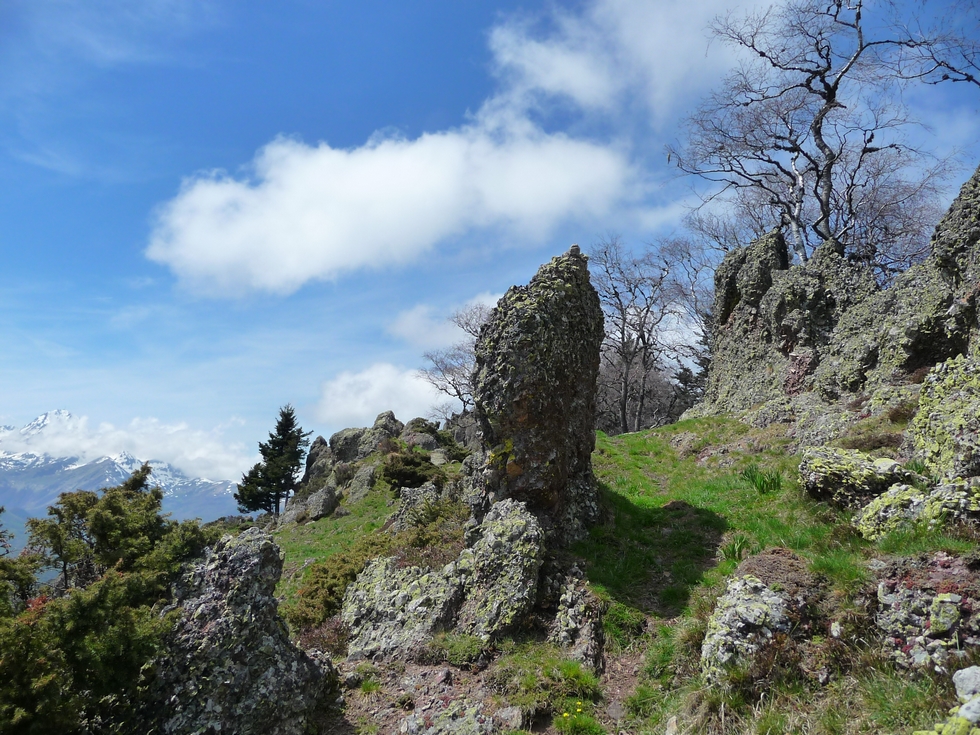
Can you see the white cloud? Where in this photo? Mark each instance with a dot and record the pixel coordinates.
(198, 453)
(424, 328)
(355, 399)
(315, 212)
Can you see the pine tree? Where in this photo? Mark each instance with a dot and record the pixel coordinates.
(268, 485)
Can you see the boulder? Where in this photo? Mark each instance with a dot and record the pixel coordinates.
(322, 503)
(506, 561)
(392, 612)
(962, 720)
(465, 430)
(904, 506)
(848, 478)
(746, 619)
(361, 483)
(537, 360)
(386, 426)
(461, 717)
(228, 664)
(945, 432)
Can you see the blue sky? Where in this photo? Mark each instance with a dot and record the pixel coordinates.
(210, 208)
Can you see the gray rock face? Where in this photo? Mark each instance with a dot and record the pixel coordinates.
(967, 683)
(319, 464)
(229, 665)
(465, 430)
(826, 326)
(353, 445)
(361, 483)
(393, 611)
(746, 619)
(537, 360)
(774, 322)
(945, 433)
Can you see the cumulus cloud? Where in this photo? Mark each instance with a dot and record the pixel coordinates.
(356, 398)
(315, 212)
(196, 452)
(424, 327)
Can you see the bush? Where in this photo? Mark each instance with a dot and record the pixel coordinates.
(410, 469)
(325, 583)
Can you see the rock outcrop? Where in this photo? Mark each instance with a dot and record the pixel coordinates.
(228, 664)
(929, 609)
(393, 612)
(537, 360)
(825, 327)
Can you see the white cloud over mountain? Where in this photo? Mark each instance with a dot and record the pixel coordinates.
(195, 452)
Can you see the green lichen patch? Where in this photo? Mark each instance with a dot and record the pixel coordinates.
(945, 433)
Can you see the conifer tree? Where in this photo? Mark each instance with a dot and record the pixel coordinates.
(269, 483)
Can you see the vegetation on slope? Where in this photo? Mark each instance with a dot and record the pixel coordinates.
(683, 506)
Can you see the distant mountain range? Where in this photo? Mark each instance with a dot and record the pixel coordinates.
(30, 482)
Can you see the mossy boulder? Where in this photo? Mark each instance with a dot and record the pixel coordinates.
(746, 620)
(904, 506)
(945, 433)
(849, 478)
(506, 562)
(537, 361)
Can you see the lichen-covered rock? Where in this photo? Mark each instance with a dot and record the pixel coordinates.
(774, 322)
(461, 717)
(929, 609)
(361, 483)
(537, 360)
(945, 433)
(826, 326)
(385, 426)
(228, 665)
(745, 620)
(967, 683)
(392, 612)
(506, 562)
(319, 466)
(578, 624)
(413, 499)
(465, 430)
(345, 443)
(904, 506)
(963, 720)
(322, 503)
(849, 478)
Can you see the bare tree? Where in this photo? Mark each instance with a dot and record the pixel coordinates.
(807, 133)
(946, 47)
(450, 370)
(635, 295)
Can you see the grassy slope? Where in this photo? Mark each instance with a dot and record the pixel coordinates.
(679, 517)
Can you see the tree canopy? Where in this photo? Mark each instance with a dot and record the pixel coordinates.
(269, 483)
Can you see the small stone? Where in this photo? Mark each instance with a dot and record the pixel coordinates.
(509, 718)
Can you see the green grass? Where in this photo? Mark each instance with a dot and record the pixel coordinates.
(305, 544)
(677, 523)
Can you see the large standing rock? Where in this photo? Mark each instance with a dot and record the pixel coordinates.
(537, 360)
(945, 433)
(228, 665)
(353, 445)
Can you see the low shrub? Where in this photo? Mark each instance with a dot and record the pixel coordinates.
(410, 469)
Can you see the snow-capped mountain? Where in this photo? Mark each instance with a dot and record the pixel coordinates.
(31, 480)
